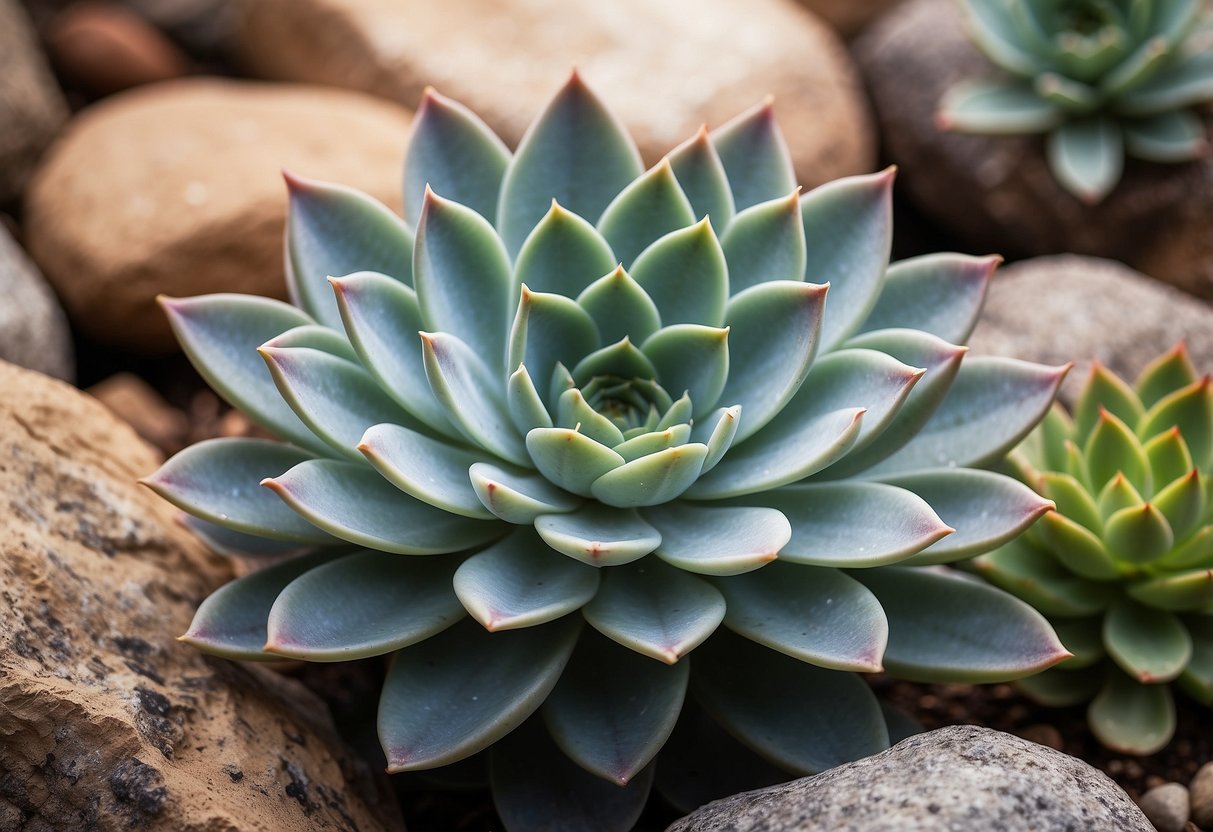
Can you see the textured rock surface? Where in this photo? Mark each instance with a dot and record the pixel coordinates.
(997, 190)
(1070, 308)
(957, 779)
(663, 68)
(1167, 807)
(106, 722)
(177, 188)
(33, 328)
(31, 106)
(1201, 789)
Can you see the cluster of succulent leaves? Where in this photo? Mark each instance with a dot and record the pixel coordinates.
(1103, 78)
(543, 438)
(1124, 567)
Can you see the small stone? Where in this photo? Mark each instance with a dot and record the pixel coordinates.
(1043, 734)
(1085, 308)
(176, 188)
(33, 328)
(848, 16)
(963, 778)
(664, 68)
(1167, 807)
(1201, 789)
(135, 402)
(32, 108)
(105, 48)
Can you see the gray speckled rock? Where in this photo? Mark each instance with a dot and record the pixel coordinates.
(33, 328)
(1070, 308)
(959, 779)
(1167, 806)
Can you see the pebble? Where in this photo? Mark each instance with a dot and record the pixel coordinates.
(1167, 807)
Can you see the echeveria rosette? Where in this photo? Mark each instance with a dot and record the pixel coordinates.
(1101, 78)
(546, 434)
(1124, 566)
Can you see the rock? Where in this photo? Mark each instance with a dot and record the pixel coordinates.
(848, 16)
(133, 400)
(661, 67)
(106, 722)
(31, 106)
(1201, 789)
(177, 188)
(105, 48)
(997, 190)
(1070, 308)
(953, 779)
(1043, 734)
(1167, 807)
(33, 328)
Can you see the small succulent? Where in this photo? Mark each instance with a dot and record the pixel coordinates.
(1102, 78)
(543, 438)
(1124, 567)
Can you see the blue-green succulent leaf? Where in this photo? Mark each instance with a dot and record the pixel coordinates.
(1150, 645)
(766, 242)
(518, 496)
(454, 152)
(691, 358)
(1174, 136)
(526, 406)
(570, 459)
(647, 209)
(622, 358)
(233, 544)
(814, 614)
(717, 431)
(572, 410)
(719, 540)
(701, 175)
(365, 604)
(620, 307)
(755, 157)
(434, 472)
(1187, 82)
(990, 24)
(999, 107)
(687, 276)
(941, 294)
(599, 535)
(1087, 157)
(462, 690)
(1038, 578)
(563, 255)
(652, 442)
(549, 328)
(1132, 718)
(318, 337)
(651, 480)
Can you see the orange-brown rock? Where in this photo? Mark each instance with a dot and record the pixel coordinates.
(177, 188)
(135, 402)
(106, 722)
(663, 67)
(105, 48)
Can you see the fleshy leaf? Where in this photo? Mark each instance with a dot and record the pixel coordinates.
(549, 328)
(1150, 645)
(1060, 687)
(354, 503)
(516, 496)
(653, 479)
(520, 582)
(1191, 410)
(1132, 718)
(432, 471)
(570, 459)
(1169, 456)
(563, 255)
(623, 359)
(1081, 551)
(655, 609)
(1182, 592)
(613, 708)
(572, 410)
(803, 718)
(366, 604)
(848, 224)
(719, 540)
(525, 405)
(1072, 499)
(235, 544)
(1164, 375)
(691, 358)
(650, 207)
(334, 230)
(318, 337)
(462, 690)
(599, 535)
(459, 256)
(1182, 503)
(687, 276)
(231, 621)
(649, 443)
(701, 175)
(1174, 136)
(219, 481)
(1035, 576)
(814, 614)
(1138, 534)
(773, 333)
(944, 626)
(998, 107)
(1087, 157)
(1104, 390)
(576, 153)
(454, 152)
(755, 156)
(766, 242)
(941, 294)
(1112, 449)
(718, 432)
(220, 334)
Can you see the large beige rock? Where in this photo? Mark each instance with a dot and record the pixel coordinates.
(849, 16)
(664, 67)
(177, 188)
(997, 191)
(106, 722)
(1071, 308)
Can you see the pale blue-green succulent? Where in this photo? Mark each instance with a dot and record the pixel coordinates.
(1124, 566)
(545, 436)
(1102, 78)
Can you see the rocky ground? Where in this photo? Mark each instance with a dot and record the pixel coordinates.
(141, 144)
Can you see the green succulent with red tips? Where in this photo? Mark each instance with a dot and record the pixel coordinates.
(1124, 567)
(613, 462)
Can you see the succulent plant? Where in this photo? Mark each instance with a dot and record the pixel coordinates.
(1124, 567)
(1102, 78)
(541, 439)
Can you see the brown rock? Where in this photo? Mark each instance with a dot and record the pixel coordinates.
(106, 722)
(849, 16)
(105, 48)
(33, 328)
(1070, 308)
(1201, 789)
(1043, 734)
(133, 400)
(177, 188)
(997, 190)
(31, 106)
(1166, 806)
(664, 68)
